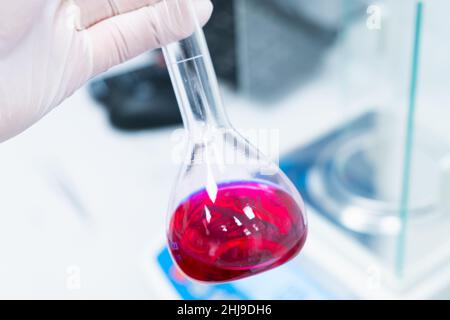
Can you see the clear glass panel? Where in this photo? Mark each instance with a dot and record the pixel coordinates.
(424, 246)
(367, 162)
(395, 68)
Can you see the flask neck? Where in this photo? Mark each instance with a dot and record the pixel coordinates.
(195, 83)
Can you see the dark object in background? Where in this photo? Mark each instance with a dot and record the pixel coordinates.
(258, 48)
(278, 49)
(140, 99)
(221, 35)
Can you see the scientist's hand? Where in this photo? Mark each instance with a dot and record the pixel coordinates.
(50, 48)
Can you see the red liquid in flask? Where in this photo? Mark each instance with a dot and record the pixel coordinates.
(250, 228)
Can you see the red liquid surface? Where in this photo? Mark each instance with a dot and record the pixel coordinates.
(250, 228)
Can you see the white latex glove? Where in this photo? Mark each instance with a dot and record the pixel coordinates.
(50, 48)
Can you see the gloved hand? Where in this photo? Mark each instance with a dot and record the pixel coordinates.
(50, 48)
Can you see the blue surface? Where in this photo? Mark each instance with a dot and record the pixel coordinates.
(286, 282)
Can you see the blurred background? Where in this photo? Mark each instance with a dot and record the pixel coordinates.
(363, 125)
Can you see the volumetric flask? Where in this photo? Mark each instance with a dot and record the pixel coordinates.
(233, 213)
